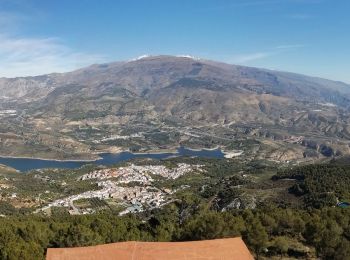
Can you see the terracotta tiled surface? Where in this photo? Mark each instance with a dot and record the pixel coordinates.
(219, 249)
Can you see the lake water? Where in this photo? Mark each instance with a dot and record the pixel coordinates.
(343, 204)
(24, 164)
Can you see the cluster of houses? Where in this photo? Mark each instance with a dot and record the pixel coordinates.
(112, 183)
(142, 173)
(118, 137)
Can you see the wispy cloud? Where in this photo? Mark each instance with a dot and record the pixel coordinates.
(290, 46)
(35, 56)
(30, 56)
(250, 57)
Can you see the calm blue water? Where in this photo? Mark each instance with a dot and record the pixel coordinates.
(344, 204)
(22, 164)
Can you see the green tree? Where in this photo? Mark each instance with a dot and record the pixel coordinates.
(256, 236)
(207, 225)
(281, 245)
(343, 251)
(79, 235)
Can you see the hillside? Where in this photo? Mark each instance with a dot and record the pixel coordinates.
(160, 102)
(280, 212)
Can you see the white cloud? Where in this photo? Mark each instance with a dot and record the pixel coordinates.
(30, 56)
(36, 56)
(244, 58)
(290, 46)
(249, 57)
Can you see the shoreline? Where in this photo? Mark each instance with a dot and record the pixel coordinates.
(47, 159)
(232, 154)
(9, 168)
(205, 149)
(173, 152)
(166, 151)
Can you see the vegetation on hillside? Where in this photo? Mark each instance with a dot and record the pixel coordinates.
(319, 185)
(294, 213)
(268, 232)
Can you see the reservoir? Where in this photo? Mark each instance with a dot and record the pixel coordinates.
(27, 164)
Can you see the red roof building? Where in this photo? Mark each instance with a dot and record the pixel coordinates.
(218, 249)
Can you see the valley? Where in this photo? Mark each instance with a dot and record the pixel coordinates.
(159, 103)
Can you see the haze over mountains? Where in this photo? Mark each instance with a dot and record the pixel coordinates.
(177, 93)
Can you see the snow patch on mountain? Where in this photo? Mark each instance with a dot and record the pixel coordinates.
(188, 56)
(141, 57)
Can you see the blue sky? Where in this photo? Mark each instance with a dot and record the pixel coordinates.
(305, 36)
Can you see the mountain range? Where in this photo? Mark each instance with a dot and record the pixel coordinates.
(161, 102)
